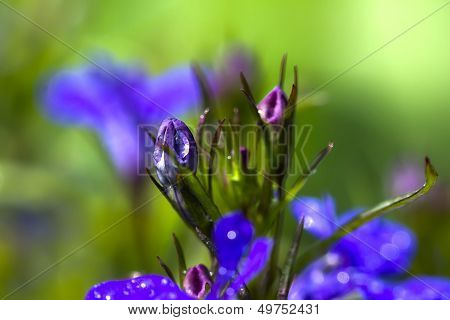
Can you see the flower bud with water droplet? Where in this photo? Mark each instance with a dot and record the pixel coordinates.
(176, 138)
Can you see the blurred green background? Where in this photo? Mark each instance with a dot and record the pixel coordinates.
(58, 187)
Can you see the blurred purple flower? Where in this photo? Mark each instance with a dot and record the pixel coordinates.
(358, 263)
(406, 178)
(115, 99)
(236, 59)
(241, 257)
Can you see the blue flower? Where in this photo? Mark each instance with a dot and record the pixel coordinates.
(115, 99)
(241, 257)
(359, 263)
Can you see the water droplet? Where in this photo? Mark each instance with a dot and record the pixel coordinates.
(317, 276)
(222, 271)
(332, 259)
(389, 251)
(230, 291)
(172, 295)
(143, 285)
(108, 297)
(375, 287)
(308, 222)
(343, 277)
(401, 239)
(231, 235)
(164, 282)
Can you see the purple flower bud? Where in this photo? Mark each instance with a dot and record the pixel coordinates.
(197, 282)
(174, 135)
(271, 108)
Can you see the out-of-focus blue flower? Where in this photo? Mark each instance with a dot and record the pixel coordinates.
(240, 256)
(423, 288)
(117, 98)
(358, 263)
(380, 246)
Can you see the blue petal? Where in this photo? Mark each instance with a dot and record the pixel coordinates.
(232, 235)
(320, 216)
(329, 278)
(324, 281)
(148, 287)
(253, 264)
(349, 215)
(378, 247)
(423, 288)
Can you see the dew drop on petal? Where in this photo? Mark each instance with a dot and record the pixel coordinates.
(401, 239)
(230, 291)
(343, 277)
(222, 271)
(332, 259)
(389, 251)
(375, 287)
(172, 295)
(317, 276)
(231, 235)
(308, 222)
(164, 282)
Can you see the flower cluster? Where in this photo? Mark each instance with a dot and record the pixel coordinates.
(204, 175)
(362, 263)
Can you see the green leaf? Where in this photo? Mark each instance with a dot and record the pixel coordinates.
(287, 275)
(181, 260)
(301, 180)
(322, 247)
(166, 269)
(212, 155)
(282, 71)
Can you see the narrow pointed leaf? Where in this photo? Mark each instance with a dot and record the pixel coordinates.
(166, 269)
(282, 71)
(181, 260)
(287, 274)
(301, 180)
(212, 154)
(247, 91)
